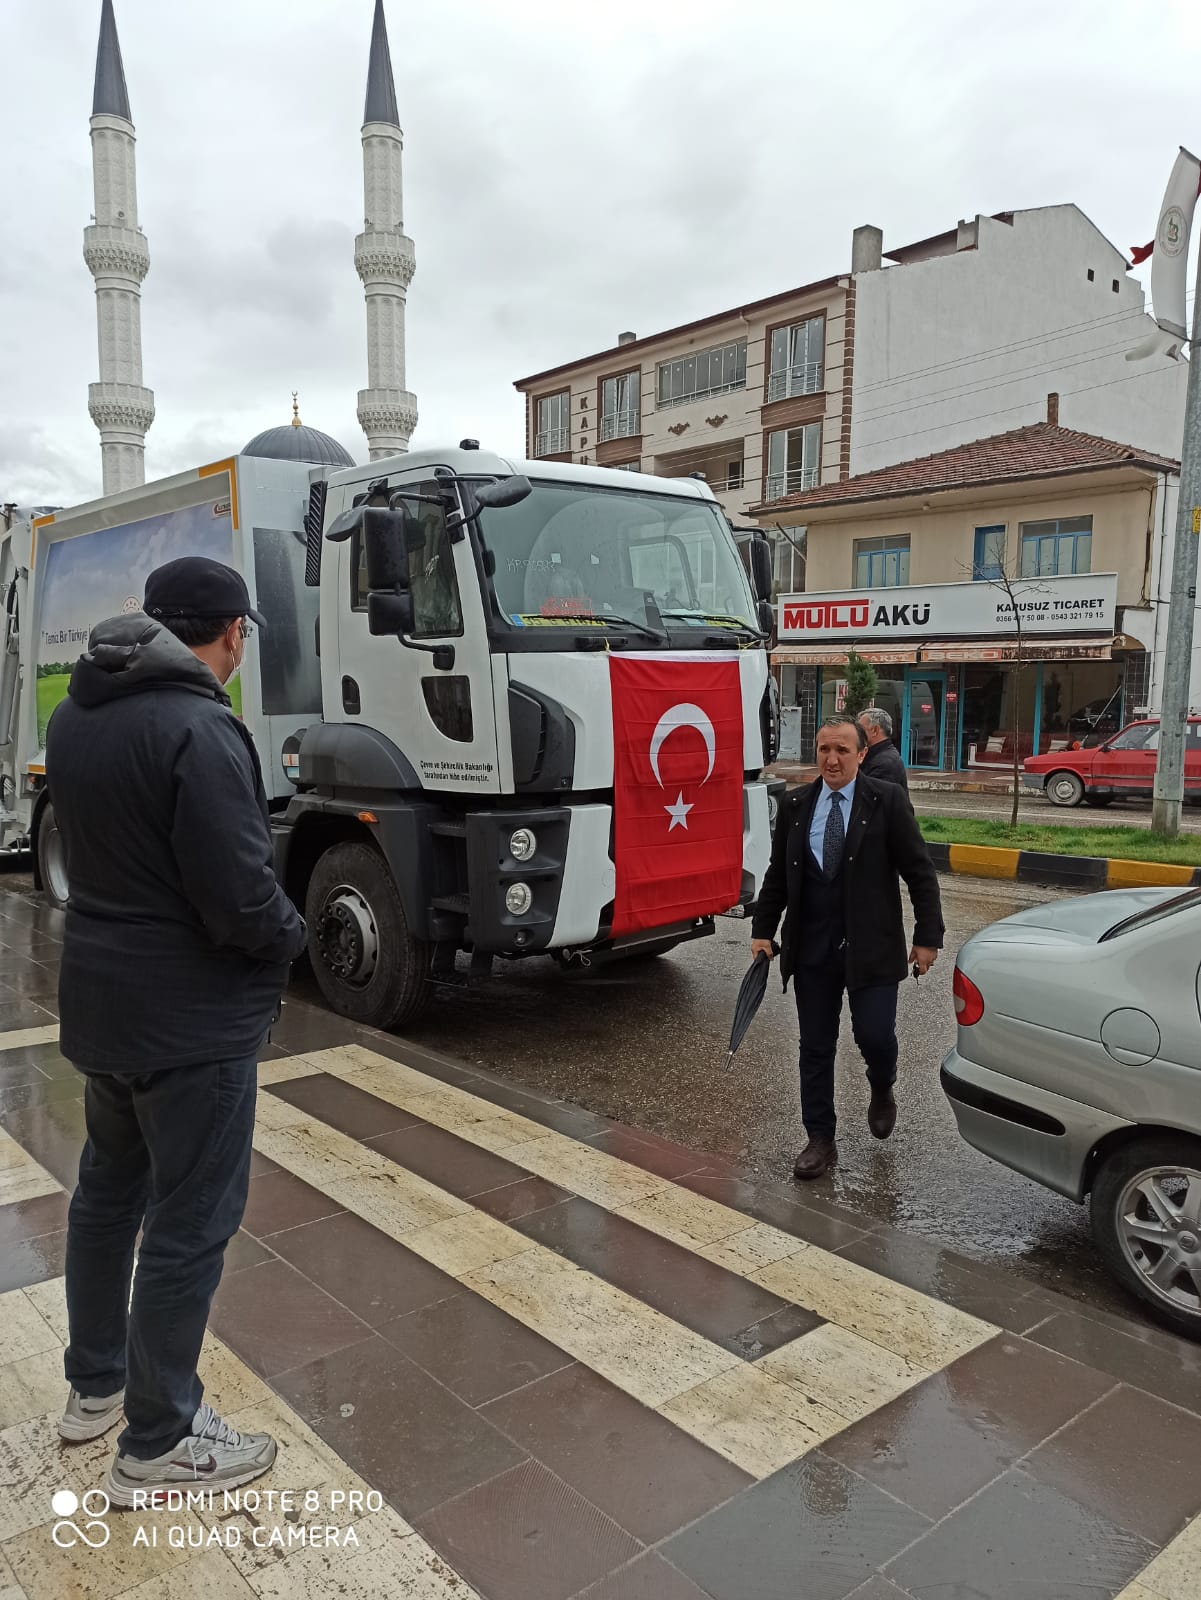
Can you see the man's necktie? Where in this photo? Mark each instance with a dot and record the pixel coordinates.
(834, 838)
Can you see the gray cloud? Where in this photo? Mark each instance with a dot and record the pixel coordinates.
(570, 172)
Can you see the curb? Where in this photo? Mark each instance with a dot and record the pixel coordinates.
(1051, 870)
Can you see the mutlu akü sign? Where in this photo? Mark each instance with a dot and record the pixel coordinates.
(1082, 604)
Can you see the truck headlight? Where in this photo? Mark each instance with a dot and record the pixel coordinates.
(523, 844)
(519, 897)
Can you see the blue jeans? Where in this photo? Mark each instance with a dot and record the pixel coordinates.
(819, 991)
(168, 1152)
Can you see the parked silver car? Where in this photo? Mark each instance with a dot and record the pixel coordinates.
(1078, 1063)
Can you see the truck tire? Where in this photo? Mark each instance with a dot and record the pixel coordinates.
(52, 860)
(1136, 1191)
(1065, 788)
(366, 961)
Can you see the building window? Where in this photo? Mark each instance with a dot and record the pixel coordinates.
(707, 372)
(882, 563)
(988, 556)
(627, 466)
(553, 422)
(621, 411)
(793, 460)
(734, 475)
(797, 359)
(1055, 549)
(788, 560)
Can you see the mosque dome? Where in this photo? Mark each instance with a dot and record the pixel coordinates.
(296, 442)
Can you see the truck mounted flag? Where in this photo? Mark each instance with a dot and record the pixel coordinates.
(677, 782)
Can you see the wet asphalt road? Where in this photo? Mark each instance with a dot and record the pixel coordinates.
(646, 1045)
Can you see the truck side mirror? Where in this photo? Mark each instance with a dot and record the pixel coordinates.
(385, 535)
(761, 567)
(766, 615)
(389, 614)
(504, 492)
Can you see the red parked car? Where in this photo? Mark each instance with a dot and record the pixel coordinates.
(1123, 765)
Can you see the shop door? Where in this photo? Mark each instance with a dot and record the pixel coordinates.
(923, 734)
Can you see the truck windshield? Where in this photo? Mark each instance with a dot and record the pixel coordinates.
(573, 554)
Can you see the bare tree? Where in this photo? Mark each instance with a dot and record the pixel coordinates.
(1014, 590)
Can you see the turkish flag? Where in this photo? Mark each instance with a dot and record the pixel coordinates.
(677, 789)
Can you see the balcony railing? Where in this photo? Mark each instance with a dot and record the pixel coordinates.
(551, 442)
(619, 425)
(805, 378)
(794, 481)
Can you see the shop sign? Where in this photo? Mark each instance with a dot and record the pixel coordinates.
(1083, 604)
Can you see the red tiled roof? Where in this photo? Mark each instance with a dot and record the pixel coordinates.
(1042, 450)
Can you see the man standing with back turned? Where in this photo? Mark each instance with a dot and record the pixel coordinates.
(840, 847)
(177, 946)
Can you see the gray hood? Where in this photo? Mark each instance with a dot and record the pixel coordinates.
(130, 653)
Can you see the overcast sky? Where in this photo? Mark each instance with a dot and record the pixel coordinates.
(570, 171)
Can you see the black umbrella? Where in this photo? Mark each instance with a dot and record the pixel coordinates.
(750, 997)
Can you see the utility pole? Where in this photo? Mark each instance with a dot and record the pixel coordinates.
(1178, 656)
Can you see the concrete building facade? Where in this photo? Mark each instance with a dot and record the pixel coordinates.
(908, 353)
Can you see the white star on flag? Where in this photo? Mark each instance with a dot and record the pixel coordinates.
(678, 813)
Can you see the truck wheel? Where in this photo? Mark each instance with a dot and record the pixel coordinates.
(366, 961)
(1145, 1210)
(52, 860)
(1065, 789)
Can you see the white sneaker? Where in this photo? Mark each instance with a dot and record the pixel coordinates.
(87, 1417)
(212, 1456)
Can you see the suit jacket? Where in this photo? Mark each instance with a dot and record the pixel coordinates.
(883, 762)
(883, 845)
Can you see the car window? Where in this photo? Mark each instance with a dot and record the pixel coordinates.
(1143, 919)
(1142, 736)
(1193, 735)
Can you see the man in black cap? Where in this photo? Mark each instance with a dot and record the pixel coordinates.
(176, 952)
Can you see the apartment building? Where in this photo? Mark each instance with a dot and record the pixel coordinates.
(922, 565)
(909, 352)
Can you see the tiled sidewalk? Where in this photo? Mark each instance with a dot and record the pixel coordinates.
(578, 1360)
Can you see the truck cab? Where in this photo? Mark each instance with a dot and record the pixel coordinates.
(462, 791)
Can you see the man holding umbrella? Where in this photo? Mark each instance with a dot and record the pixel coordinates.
(841, 846)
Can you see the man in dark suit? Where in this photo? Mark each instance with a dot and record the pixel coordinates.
(840, 848)
(883, 759)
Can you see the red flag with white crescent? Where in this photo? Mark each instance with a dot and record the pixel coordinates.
(677, 789)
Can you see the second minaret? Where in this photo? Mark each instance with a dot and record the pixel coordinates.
(383, 257)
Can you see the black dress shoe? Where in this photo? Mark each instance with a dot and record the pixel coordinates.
(882, 1113)
(816, 1159)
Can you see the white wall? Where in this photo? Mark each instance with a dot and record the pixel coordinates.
(965, 345)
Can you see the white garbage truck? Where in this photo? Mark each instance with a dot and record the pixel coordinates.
(503, 708)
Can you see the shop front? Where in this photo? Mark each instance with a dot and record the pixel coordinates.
(960, 688)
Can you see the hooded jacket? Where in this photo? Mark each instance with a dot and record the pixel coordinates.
(178, 937)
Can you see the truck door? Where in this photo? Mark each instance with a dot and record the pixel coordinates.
(441, 718)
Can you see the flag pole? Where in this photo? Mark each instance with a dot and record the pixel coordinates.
(1178, 655)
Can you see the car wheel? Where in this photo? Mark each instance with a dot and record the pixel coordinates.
(1065, 789)
(1146, 1219)
(1098, 801)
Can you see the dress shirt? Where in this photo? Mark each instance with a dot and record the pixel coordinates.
(817, 828)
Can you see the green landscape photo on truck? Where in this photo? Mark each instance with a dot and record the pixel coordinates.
(102, 573)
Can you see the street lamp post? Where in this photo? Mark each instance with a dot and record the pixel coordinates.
(1178, 655)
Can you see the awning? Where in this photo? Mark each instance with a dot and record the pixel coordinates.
(829, 655)
(1033, 649)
